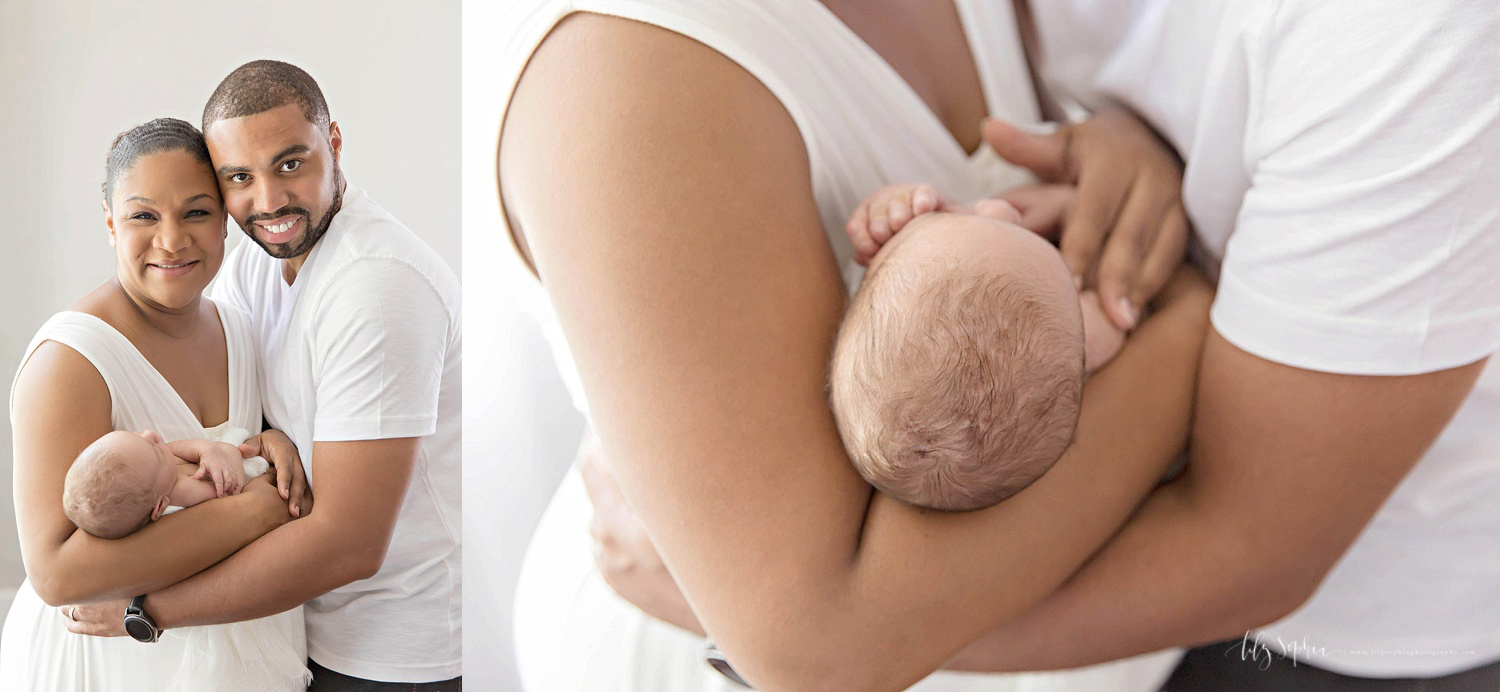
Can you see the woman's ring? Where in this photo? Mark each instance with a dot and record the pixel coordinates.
(71, 610)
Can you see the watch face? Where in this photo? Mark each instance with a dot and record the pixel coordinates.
(139, 629)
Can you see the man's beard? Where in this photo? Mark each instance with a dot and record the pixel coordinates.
(304, 244)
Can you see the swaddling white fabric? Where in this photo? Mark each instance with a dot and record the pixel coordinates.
(268, 654)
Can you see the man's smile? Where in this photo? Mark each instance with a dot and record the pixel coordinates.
(281, 229)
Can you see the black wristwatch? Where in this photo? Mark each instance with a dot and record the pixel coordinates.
(716, 659)
(138, 624)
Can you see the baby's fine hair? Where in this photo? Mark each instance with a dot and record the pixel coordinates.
(106, 495)
(954, 389)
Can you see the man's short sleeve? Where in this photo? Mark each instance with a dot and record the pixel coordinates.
(380, 335)
(1369, 241)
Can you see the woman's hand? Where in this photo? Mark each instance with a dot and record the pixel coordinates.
(291, 479)
(105, 619)
(623, 552)
(1124, 228)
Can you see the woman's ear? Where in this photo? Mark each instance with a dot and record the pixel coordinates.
(109, 222)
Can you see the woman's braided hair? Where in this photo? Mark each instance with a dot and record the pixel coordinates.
(161, 134)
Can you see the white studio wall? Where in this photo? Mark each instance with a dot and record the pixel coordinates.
(75, 74)
(521, 429)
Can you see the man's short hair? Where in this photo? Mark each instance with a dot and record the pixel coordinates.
(259, 86)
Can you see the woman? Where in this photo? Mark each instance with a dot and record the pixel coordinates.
(726, 146)
(144, 351)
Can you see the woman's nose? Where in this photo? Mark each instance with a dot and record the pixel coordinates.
(173, 236)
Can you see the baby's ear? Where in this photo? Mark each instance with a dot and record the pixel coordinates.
(162, 503)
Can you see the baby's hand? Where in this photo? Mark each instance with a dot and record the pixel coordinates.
(887, 211)
(222, 463)
(1101, 338)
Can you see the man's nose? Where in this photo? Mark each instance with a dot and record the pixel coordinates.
(270, 196)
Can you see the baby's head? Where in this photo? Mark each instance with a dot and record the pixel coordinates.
(119, 483)
(958, 372)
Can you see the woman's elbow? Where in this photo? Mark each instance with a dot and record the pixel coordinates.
(56, 588)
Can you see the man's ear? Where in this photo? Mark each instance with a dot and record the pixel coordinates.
(162, 503)
(335, 140)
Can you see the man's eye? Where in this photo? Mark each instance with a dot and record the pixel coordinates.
(238, 177)
(292, 165)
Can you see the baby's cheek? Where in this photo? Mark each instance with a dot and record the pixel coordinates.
(1101, 338)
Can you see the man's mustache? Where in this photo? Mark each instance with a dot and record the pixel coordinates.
(284, 211)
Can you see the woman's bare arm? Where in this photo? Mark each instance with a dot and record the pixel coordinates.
(666, 197)
(61, 405)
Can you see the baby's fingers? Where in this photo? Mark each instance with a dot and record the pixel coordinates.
(858, 230)
(925, 200)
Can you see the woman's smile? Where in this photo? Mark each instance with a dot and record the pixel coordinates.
(173, 268)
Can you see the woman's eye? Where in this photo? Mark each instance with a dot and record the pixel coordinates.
(142, 216)
(195, 212)
(292, 165)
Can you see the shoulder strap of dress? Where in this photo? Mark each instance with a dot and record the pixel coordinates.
(244, 367)
(135, 387)
(995, 40)
(90, 336)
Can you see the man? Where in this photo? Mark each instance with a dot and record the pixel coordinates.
(358, 323)
(1339, 172)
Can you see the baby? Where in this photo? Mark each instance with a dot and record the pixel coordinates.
(125, 480)
(958, 372)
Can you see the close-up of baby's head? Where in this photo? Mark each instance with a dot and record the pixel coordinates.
(119, 483)
(958, 372)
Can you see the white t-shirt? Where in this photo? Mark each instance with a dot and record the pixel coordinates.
(1343, 164)
(365, 345)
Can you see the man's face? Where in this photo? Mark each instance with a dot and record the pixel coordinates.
(280, 177)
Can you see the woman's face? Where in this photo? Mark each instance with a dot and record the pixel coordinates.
(167, 226)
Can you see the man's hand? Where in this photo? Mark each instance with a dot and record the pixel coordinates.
(106, 619)
(286, 463)
(1125, 229)
(222, 464)
(623, 552)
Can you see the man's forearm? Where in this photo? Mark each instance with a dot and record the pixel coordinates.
(1173, 577)
(284, 569)
(1227, 548)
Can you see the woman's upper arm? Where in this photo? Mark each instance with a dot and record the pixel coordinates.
(60, 405)
(665, 197)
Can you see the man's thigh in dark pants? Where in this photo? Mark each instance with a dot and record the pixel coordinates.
(325, 680)
(1223, 668)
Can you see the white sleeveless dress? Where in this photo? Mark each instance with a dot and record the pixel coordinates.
(863, 127)
(37, 652)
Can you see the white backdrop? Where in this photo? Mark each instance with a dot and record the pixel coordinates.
(520, 428)
(74, 74)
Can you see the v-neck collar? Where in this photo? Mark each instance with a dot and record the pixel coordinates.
(188, 417)
(983, 70)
